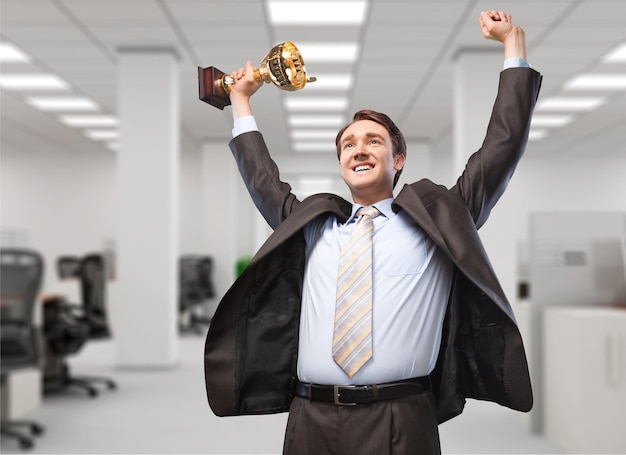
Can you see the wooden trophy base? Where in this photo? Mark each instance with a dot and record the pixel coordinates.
(210, 87)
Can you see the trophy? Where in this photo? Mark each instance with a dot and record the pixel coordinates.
(283, 66)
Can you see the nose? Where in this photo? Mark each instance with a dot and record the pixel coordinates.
(360, 152)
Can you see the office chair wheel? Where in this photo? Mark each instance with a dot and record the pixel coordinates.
(25, 443)
(111, 385)
(93, 393)
(36, 429)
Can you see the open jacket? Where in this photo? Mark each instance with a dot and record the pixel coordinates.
(252, 345)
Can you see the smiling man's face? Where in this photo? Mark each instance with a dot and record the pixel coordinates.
(367, 162)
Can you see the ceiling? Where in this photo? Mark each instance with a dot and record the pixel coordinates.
(404, 63)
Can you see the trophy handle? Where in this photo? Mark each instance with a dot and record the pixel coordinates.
(262, 74)
(214, 87)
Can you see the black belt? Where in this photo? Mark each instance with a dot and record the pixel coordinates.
(358, 394)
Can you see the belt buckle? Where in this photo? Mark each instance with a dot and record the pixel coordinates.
(337, 395)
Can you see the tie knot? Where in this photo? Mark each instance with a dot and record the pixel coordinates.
(369, 212)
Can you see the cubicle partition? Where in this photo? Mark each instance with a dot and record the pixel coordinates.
(577, 342)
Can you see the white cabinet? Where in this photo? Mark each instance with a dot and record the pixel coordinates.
(21, 393)
(585, 379)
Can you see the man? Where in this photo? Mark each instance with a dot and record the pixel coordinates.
(442, 329)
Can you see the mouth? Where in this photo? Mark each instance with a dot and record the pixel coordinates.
(363, 168)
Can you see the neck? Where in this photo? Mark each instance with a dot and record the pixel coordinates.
(367, 201)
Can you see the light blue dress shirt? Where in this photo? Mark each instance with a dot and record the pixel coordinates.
(411, 282)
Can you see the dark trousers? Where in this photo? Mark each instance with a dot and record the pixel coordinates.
(403, 426)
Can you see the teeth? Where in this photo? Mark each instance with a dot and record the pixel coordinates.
(362, 168)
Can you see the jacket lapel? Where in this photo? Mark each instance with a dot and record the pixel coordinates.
(309, 209)
(447, 226)
(410, 200)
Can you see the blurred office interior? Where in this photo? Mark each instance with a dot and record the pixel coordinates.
(107, 152)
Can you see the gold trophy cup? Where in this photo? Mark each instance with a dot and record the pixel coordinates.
(283, 66)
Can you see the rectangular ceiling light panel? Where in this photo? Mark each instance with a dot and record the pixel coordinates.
(331, 82)
(89, 120)
(11, 54)
(32, 82)
(569, 104)
(50, 103)
(314, 134)
(316, 104)
(617, 55)
(102, 135)
(319, 146)
(339, 52)
(317, 13)
(598, 82)
(315, 120)
(548, 121)
(537, 135)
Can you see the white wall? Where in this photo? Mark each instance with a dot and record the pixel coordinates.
(65, 203)
(568, 184)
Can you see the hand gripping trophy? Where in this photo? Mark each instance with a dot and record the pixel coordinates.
(283, 66)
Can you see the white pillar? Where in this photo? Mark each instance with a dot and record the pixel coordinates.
(146, 331)
(224, 216)
(477, 73)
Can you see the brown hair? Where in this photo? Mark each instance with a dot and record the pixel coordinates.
(397, 138)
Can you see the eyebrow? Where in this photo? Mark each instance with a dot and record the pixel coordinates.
(367, 135)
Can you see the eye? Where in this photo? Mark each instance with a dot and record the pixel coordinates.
(374, 142)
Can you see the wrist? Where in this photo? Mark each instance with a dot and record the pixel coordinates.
(240, 104)
(515, 43)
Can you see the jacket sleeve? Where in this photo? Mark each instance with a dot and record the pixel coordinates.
(489, 170)
(272, 197)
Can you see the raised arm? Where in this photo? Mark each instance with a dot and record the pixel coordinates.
(272, 197)
(489, 170)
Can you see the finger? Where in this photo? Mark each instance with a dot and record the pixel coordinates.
(486, 17)
(249, 70)
(486, 22)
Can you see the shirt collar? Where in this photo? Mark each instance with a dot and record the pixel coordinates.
(384, 207)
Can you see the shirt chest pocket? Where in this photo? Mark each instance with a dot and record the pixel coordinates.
(401, 251)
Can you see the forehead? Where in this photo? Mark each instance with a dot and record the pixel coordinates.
(366, 127)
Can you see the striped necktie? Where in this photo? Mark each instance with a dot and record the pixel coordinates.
(352, 339)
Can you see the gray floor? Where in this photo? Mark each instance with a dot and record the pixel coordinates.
(165, 412)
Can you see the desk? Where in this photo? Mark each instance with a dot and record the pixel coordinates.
(585, 379)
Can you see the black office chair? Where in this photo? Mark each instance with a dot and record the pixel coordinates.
(195, 287)
(69, 326)
(93, 292)
(21, 342)
(68, 267)
(206, 277)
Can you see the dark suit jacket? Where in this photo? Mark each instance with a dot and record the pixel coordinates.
(252, 344)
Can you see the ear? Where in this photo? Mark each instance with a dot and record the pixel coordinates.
(398, 162)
